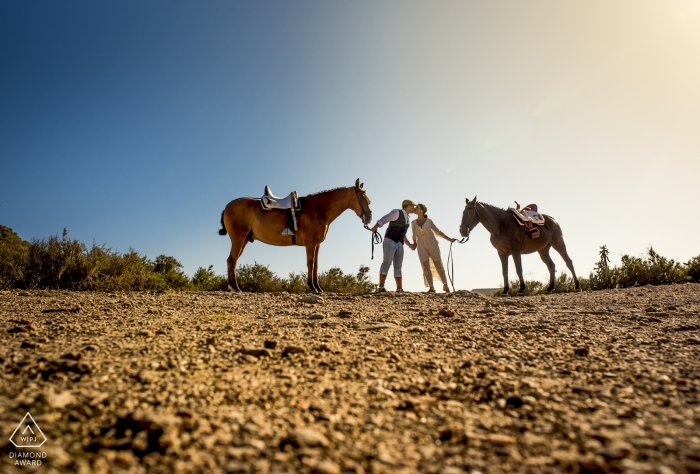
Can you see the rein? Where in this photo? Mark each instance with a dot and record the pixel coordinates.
(450, 258)
(376, 239)
(451, 262)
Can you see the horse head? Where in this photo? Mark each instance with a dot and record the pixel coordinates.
(470, 218)
(363, 210)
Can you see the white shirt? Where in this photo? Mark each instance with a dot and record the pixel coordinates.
(392, 216)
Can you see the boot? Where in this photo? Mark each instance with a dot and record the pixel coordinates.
(382, 280)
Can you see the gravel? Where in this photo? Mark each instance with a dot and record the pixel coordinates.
(391, 382)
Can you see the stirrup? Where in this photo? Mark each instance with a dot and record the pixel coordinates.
(287, 231)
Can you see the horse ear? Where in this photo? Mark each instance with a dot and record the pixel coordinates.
(357, 183)
(475, 198)
(362, 185)
(467, 199)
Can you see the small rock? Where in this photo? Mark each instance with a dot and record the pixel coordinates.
(28, 345)
(693, 340)
(304, 437)
(147, 376)
(581, 351)
(270, 344)
(144, 333)
(316, 316)
(345, 313)
(210, 341)
(497, 438)
(256, 352)
(292, 350)
(326, 467)
(59, 400)
(71, 356)
(312, 299)
(514, 402)
(446, 312)
(617, 450)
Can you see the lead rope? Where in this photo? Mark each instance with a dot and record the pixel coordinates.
(451, 263)
(376, 239)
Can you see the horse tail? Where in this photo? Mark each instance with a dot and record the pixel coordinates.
(222, 231)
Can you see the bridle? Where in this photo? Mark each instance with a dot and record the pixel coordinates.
(364, 203)
(469, 224)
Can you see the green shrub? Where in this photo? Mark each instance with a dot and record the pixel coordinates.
(693, 269)
(258, 278)
(532, 287)
(334, 280)
(204, 279)
(13, 258)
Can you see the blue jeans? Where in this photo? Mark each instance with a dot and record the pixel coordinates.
(393, 252)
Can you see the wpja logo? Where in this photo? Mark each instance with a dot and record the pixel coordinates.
(28, 435)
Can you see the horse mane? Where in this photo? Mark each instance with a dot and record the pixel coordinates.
(491, 205)
(326, 191)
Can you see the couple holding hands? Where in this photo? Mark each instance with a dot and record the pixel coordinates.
(423, 232)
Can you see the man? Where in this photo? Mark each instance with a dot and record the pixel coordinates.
(394, 240)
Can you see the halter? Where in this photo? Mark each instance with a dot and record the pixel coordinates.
(476, 213)
(366, 216)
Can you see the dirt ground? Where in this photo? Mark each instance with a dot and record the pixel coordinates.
(217, 382)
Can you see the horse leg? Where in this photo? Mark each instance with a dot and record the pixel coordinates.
(560, 247)
(237, 246)
(504, 268)
(544, 255)
(310, 264)
(519, 270)
(315, 279)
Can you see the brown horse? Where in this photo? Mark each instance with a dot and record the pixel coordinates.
(244, 220)
(509, 238)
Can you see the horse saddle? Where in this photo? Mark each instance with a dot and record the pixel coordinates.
(270, 201)
(529, 218)
(291, 204)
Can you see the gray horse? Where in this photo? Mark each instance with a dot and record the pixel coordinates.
(510, 238)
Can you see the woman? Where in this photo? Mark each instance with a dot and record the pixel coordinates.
(424, 231)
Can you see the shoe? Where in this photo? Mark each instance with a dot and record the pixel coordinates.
(431, 290)
(399, 290)
(381, 289)
(446, 288)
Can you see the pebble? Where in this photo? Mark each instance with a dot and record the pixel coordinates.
(316, 316)
(326, 467)
(270, 344)
(581, 351)
(293, 350)
(312, 299)
(256, 352)
(304, 437)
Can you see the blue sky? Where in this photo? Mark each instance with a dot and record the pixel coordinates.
(134, 123)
